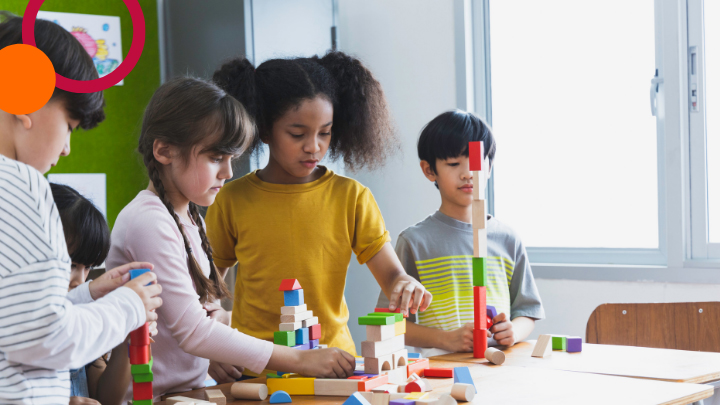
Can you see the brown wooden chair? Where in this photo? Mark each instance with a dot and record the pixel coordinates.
(683, 325)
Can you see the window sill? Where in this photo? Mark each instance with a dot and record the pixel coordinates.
(692, 272)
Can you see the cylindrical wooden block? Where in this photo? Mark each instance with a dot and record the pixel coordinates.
(463, 392)
(256, 392)
(495, 356)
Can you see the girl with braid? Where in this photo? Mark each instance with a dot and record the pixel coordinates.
(296, 219)
(191, 131)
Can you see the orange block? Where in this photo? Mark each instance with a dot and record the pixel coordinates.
(418, 367)
(367, 385)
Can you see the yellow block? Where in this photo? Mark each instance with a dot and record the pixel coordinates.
(400, 327)
(293, 386)
(417, 395)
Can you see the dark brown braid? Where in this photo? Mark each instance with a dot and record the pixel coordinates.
(214, 273)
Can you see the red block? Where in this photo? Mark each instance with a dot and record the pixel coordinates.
(315, 331)
(358, 377)
(480, 300)
(140, 336)
(479, 343)
(418, 367)
(142, 391)
(476, 155)
(139, 354)
(367, 385)
(439, 372)
(396, 311)
(416, 386)
(489, 323)
(289, 284)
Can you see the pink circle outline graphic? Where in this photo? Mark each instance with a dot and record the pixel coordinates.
(111, 79)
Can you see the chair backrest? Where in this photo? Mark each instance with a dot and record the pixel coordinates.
(682, 325)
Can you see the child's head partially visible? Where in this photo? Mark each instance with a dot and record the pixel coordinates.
(86, 232)
(40, 138)
(444, 153)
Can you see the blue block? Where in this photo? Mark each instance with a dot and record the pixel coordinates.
(315, 343)
(414, 356)
(294, 298)
(302, 336)
(356, 399)
(462, 375)
(137, 272)
(491, 311)
(402, 401)
(210, 383)
(280, 397)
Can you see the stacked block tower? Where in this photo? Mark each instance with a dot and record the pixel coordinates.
(141, 359)
(384, 348)
(480, 171)
(298, 327)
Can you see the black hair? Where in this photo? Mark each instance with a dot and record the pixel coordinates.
(86, 232)
(69, 59)
(362, 132)
(448, 134)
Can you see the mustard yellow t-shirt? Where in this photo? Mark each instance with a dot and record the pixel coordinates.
(303, 231)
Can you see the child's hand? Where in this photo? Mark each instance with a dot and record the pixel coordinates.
(460, 340)
(503, 330)
(224, 373)
(409, 295)
(326, 363)
(83, 401)
(114, 278)
(149, 294)
(216, 312)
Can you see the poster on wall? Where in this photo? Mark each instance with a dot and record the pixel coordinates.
(90, 185)
(98, 34)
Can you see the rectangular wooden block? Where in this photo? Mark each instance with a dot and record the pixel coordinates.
(400, 358)
(314, 343)
(141, 378)
(400, 327)
(479, 183)
(296, 309)
(142, 390)
(305, 346)
(299, 317)
(398, 317)
(479, 215)
(396, 376)
(376, 320)
(387, 389)
(543, 346)
(215, 396)
(559, 343)
(302, 336)
(480, 242)
(382, 348)
(397, 310)
(141, 402)
(479, 266)
(290, 326)
(380, 399)
(374, 365)
(479, 303)
(418, 367)
(315, 332)
(479, 343)
(335, 387)
(475, 152)
(370, 383)
(294, 298)
(310, 322)
(439, 372)
(574, 344)
(175, 400)
(139, 354)
(140, 336)
(141, 368)
(377, 333)
(293, 386)
(417, 395)
(284, 338)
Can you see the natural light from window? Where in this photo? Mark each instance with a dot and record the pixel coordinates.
(712, 111)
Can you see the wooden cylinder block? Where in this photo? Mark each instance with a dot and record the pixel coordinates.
(495, 356)
(257, 392)
(463, 392)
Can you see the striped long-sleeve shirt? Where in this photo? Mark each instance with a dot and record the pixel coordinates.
(41, 331)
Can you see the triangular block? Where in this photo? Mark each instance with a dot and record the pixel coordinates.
(289, 284)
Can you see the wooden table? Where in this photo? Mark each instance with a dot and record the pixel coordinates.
(627, 361)
(520, 385)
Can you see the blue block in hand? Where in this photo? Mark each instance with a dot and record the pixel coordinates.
(138, 272)
(294, 298)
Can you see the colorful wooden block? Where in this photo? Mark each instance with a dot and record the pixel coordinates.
(299, 317)
(397, 310)
(315, 332)
(463, 392)
(495, 356)
(377, 333)
(491, 311)
(280, 397)
(310, 322)
(374, 365)
(479, 266)
(414, 355)
(400, 358)
(335, 387)
(370, 383)
(314, 343)
(302, 336)
(489, 323)
(140, 336)
(292, 386)
(480, 302)
(141, 368)
(294, 298)
(142, 402)
(416, 395)
(382, 348)
(290, 326)
(416, 386)
(462, 376)
(180, 399)
(397, 376)
(398, 317)
(215, 396)
(439, 372)
(137, 273)
(543, 346)
(289, 284)
(480, 242)
(296, 309)
(479, 343)
(479, 216)
(402, 401)
(305, 346)
(356, 399)
(418, 367)
(400, 327)
(139, 354)
(141, 378)
(475, 151)
(377, 320)
(574, 344)
(559, 343)
(479, 184)
(284, 338)
(142, 390)
(250, 391)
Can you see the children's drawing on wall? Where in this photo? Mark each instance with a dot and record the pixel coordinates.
(99, 35)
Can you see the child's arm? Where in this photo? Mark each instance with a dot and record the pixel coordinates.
(456, 341)
(403, 291)
(116, 378)
(507, 333)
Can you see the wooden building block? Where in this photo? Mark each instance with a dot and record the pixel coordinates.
(314, 343)
(479, 343)
(302, 336)
(479, 214)
(479, 304)
(139, 354)
(215, 396)
(559, 343)
(480, 242)
(296, 309)
(290, 326)
(398, 317)
(400, 358)
(446, 399)
(178, 399)
(418, 367)
(377, 320)
(294, 298)
(305, 346)
(142, 391)
(370, 383)
(310, 322)
(284, 338)
(380, 399)
(289, 284)
(479, 183)
(402, 401)
(292, 386)
(463, 392)
(475, 151)
(416, 386)
(416, 395)
(335, 387)
(574, 344)
(138, 272)
(414, 356)
(543, 346)
(255, 392)
(397, 310)
(356, 399)
(396, 376)
(386, 388)
(150, 402)
(382, 348)
(378, 333)
(495, 356)
(479, 265)
(299, 317)
(439, 372)
(141, 378)
(141, 368)
(280, 397)
(400, 327)
(491, 312)
(462, 375)
(315, 332)
(140, 336)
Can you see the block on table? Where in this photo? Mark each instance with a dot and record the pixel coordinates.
(292, 386)
(543, 346)
(463, 392)
(280, 397)
(574, 344)
(335, 387)
(559, 343)
(215, 396)
(251, 391)
(462, 376)
(439, 372)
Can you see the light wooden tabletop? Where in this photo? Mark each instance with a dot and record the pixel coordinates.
(626, 361)
(520, 385)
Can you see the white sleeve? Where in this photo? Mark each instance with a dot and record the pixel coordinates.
(80, 294)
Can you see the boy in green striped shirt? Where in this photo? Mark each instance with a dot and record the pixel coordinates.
(438, 250)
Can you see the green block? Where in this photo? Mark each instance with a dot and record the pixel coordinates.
(559, 343)
(272, 375)
(376, 320)
(398, 317)
(141, 378)
(285, 338)
(479, 272)
(142, 401)
(141, 368)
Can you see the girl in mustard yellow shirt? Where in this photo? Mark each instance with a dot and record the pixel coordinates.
(294, 218)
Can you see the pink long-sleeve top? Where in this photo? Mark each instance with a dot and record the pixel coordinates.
(187, 337)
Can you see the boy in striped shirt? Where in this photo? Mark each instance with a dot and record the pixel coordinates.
(438, 250)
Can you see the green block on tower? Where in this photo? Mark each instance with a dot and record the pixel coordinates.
(141, 368)
(479, 272)
(376, 320)
(559, 343)
(285, 338)
(398, 317)
(142, 402)
(141, 378)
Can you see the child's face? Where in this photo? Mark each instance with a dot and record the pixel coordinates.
(201, 178)
(300, 138)
(454, 179)
(78, 274)
(43, 136)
